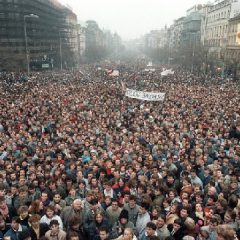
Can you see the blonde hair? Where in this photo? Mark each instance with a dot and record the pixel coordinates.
(130, 230)
(226, 232)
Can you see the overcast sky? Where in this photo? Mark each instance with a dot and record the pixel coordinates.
(131, 18)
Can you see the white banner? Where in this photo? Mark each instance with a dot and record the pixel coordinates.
(149, 69)
(148, 96)
(167, 72)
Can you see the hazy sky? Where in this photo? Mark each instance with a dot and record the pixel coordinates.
(131, 18)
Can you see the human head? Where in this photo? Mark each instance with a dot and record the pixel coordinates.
(161, 221)
(184, 212)
(3, 204)
(225, 232)
(54, 226)
(132, 201)
(114, 204)
(177, 224)
(74, 223)
(73, 236)
(128, 234)
(151, 228)
(34, 220)
(99, 216)
(103, 233)
(50, 211)
(24, 235)
(123, 217)
(229, 216)
(23, 211)
(143, 208)
(57, 197)
(2, 222)
(77, 204)
(44, 196)
(15, 223)
(213, 223)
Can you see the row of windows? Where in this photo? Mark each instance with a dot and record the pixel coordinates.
(35, 46)
(232, 40)
(217, 16)
(213, 42)
(9, 1)
(233, 28)
(18, 11)
(233, 54)
(219, 31)
(15, 16)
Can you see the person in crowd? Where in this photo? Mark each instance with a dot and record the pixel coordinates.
(37, 229)
(92, 228)
(50, 215)
(36, 207)
(176, 229)
(75, 210)
(23, 213)
(225, 232)
(132, 209)
(162, 230)
(55, 232)
(3, 227)
(150, 232)
(113, 212)
(57, 203)
(15, 229)
(142, 219)
(24, 236)
(121, 224)
(8, 212)
(71, 196)
(73, 236)
(89, 214)
(172, 214)
(104, 233)
(71, 137)
(128, 234)
(75, 228)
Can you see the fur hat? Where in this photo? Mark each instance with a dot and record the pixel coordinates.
(123, 214)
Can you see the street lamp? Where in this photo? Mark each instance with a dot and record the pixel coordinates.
(25, 35)
(193, 50)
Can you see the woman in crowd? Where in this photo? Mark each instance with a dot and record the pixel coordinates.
(50, 215)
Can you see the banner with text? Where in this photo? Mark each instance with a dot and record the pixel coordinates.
(148, 96)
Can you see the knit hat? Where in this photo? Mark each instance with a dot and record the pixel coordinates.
(123, 214)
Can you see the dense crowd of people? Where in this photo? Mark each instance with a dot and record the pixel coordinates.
(80, 160)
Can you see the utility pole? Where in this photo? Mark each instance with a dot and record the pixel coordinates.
(60, 50)
(193, 51)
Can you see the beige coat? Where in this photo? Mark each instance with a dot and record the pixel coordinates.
(61, 235)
